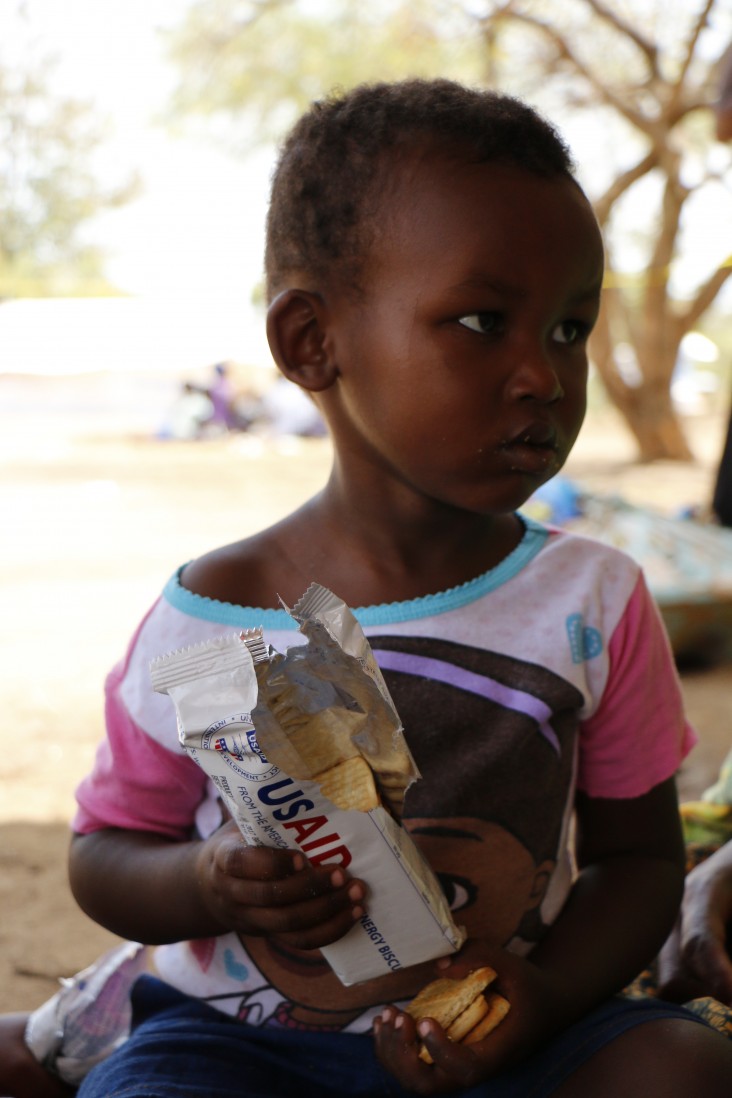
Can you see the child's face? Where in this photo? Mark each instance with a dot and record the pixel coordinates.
(462, 368)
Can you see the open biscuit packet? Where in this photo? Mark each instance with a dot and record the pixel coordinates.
(307, 751)
(324, 711)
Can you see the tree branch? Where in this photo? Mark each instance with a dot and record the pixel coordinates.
(564, 50)
(674, 196)
(691, 44)
(603, 205)
(649, 49)
(706, 294)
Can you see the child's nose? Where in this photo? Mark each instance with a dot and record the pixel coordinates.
(534, 376)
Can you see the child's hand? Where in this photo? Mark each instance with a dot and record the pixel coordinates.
(276, 893)
(535, 1008)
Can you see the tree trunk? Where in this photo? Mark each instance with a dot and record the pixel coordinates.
(646, 407)
(653, 422)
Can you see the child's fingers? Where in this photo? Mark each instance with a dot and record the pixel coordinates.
(399, 1043)
(324, 931)
(328, 908)
(234, 858)
(450, 1059)
(283, 888)
(397, 1048)
(274, 892)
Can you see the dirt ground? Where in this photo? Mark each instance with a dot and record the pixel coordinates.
(94, 522)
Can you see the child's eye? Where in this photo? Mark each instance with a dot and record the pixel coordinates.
(571, 331)
(486, 323)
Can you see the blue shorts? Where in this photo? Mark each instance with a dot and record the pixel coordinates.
(182, 1048)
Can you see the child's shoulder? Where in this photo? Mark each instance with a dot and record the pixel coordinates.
(240, 573)
(255, 571)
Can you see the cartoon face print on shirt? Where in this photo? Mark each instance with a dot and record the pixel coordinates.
(493, 737)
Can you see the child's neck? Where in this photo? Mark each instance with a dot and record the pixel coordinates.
(392, 554)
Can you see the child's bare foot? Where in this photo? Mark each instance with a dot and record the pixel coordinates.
(21, 1076)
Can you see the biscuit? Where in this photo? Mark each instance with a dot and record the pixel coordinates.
(444, 999)
(469, 1019)
(460, 1007)
(498, 1008)
(350, 785)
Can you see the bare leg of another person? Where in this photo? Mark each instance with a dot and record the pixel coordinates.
(722, 500)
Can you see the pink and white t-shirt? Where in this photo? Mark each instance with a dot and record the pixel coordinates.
(547, 674)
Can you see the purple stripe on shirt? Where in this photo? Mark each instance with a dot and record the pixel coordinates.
(462, 679)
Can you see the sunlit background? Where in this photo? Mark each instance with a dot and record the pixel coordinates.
(181, 259)
(182, 255)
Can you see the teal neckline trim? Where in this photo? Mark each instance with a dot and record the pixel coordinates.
(427, 606)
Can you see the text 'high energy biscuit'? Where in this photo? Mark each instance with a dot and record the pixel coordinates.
(460, 1006)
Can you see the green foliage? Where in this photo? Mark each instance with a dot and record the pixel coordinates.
(48, 190)
(268, 60)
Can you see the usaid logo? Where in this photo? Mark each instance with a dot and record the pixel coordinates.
(235, 741)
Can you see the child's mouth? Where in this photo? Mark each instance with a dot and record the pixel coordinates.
(533, 450)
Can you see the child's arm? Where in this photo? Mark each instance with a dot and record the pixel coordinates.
(150, 889)
(631, 859)
(622, 906)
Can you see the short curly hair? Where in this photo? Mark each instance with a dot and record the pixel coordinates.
(331, 174)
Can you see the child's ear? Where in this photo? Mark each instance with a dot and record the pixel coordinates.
(296, 337)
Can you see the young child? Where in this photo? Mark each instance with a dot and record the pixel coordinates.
(433, 272)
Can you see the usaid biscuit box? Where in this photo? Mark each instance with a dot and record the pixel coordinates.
(308, 753)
